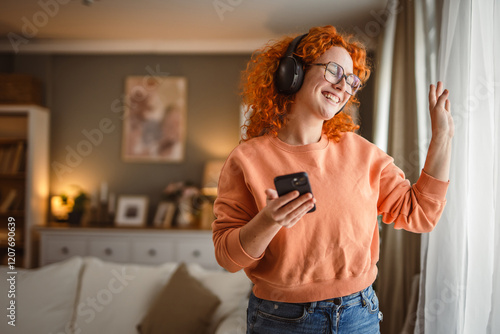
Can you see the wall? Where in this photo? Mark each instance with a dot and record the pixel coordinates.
(82, 90)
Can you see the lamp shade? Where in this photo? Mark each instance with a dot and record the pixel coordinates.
(60, 207)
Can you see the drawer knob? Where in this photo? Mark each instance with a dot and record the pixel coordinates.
(108, 251)
(152, 252)
(196, 253)
(65, 250)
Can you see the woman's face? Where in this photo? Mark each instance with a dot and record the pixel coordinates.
(322, 98)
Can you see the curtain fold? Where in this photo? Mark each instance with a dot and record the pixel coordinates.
(461, 285)
(494, 316)
(383, 81)
(396, 131)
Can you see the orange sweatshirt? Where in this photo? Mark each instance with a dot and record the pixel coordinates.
(333, 251)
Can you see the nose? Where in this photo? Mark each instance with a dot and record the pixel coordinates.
(341, 85)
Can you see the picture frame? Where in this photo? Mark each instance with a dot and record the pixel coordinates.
(154, 121)
(164, 214)
(131, 211)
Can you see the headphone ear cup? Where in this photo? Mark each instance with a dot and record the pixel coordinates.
(289, 76)
(290, 73)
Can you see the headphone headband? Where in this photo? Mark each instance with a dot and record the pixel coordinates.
(292, 47)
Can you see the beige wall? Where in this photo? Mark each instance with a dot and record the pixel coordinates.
(84, 90)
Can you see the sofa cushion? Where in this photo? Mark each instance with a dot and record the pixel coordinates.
(44, 298)
(231, 288)
(115, 297)
(236, 322)
(183, 306)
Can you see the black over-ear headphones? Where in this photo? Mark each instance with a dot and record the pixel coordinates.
(290, 73)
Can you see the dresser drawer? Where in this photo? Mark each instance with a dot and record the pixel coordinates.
(58, 249)
(201, 252)
(156, 252)
(138, 246)
(110, 249)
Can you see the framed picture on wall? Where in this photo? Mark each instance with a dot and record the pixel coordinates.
(131, 211)
(154, 124)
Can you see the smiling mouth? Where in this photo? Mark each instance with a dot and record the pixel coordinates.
(331, 97)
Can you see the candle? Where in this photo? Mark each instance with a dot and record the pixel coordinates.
(104, 192)
(94, 199)
(111, 203)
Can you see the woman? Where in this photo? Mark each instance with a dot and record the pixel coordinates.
(312, 272)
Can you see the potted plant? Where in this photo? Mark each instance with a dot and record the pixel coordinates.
(80, 203)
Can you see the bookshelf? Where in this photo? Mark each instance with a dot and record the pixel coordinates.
(24, 178)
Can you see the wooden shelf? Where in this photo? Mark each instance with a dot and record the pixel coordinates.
(10, 140)
(19, 246)
(16, 214)
(24, 175)
(66, 226)
(13, 176)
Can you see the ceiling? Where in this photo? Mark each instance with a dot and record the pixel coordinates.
(216, 26)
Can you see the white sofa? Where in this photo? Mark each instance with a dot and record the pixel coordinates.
(89, 296)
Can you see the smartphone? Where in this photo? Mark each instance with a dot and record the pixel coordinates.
(290, 182)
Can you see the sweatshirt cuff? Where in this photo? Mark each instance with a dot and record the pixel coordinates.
(236, 251)
(431, 186)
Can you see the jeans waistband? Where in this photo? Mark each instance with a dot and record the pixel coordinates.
(360, 296)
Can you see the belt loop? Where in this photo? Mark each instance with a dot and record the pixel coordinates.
(364, 298)
(312, 306)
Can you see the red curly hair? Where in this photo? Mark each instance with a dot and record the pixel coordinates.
(269, 108)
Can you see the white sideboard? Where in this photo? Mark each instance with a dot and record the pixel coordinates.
(141, 246)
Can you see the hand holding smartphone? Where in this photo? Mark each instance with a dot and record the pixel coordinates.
(290, 182)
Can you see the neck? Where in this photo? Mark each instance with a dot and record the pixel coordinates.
(301, 130)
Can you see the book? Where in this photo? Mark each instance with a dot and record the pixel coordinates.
(18, 156)
(8, 200)
(2, 156)
(169, 215)
(7, 153)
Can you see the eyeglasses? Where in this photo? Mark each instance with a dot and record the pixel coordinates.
(334, 74)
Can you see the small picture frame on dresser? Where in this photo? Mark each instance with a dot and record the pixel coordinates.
(164, 214)
(131, 211)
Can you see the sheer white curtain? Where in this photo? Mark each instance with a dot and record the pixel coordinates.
(461, 257)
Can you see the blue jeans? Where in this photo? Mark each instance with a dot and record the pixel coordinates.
(357, 313)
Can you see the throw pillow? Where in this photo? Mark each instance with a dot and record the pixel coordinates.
(184, 306)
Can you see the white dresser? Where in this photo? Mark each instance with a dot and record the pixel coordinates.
(141, 246)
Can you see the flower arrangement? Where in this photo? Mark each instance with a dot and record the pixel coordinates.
(188, 200)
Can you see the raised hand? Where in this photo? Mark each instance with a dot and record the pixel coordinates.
(437, 163)
(440, 111)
